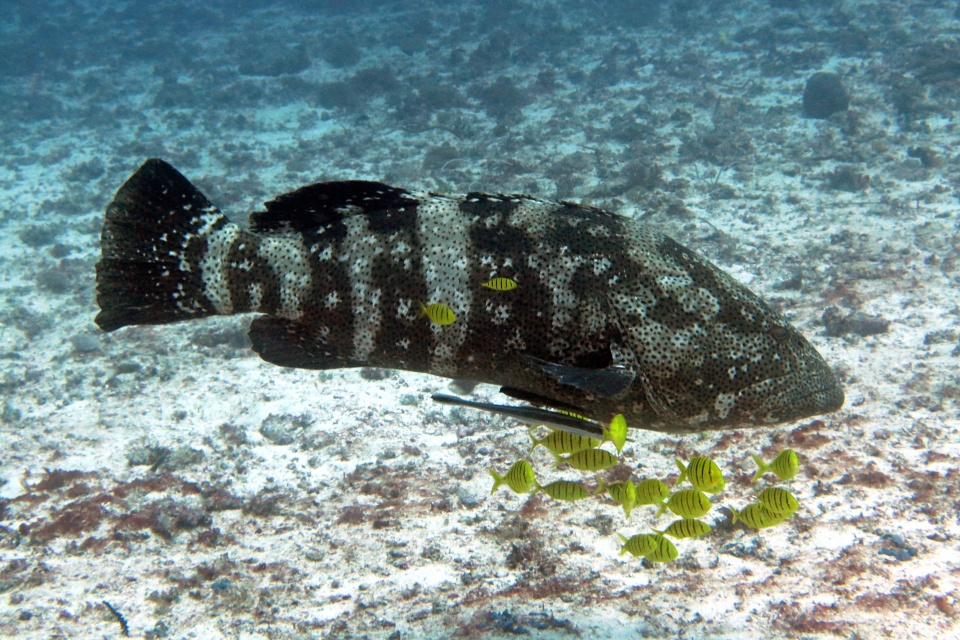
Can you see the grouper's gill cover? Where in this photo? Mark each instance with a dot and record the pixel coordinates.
(607, 317)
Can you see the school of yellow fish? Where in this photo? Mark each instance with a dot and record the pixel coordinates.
(772, 506)
(441, 314)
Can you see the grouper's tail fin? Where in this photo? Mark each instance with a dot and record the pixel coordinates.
(156, 241)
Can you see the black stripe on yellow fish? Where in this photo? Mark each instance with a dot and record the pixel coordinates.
(703, 473)
(687, 528)
(639, 545)
(785, 466)
(623, 493)
(615, 318)
(664, 552)
(756, 516)
(652, 491)
(519, 477)
(438, 313)
(565, 490)
(558, 442)
(778, 501)
(588, 460)
(687, 503)
(617, 433)
(652, 546)
(500, 284)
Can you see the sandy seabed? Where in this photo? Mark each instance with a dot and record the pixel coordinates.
(203, 493)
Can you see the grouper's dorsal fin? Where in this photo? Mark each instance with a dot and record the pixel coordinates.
(324, 203)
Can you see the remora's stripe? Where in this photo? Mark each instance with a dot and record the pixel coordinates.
(358, 251)
(446, 262)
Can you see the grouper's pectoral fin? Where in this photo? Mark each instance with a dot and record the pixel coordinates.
(294, 344)
(531, 415)
(605, 382)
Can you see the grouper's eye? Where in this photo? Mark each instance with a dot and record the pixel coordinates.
(780, 334)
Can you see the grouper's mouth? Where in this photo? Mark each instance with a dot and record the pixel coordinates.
(813, 396)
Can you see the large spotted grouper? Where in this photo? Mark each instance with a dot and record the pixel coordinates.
(606, 317)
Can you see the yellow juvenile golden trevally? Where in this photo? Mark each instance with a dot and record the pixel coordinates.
(500, 284)
(623, 493)
(652, 491)
(687, 503)
(438, 313)
(565, 490)
(784, 466)
(779, 502)
(518, 477)
(588, 460)
(617, 433)
(558, 442)
(665, 551)
(638, 545)
(703, 474)
(687, 528)
(756, 516)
